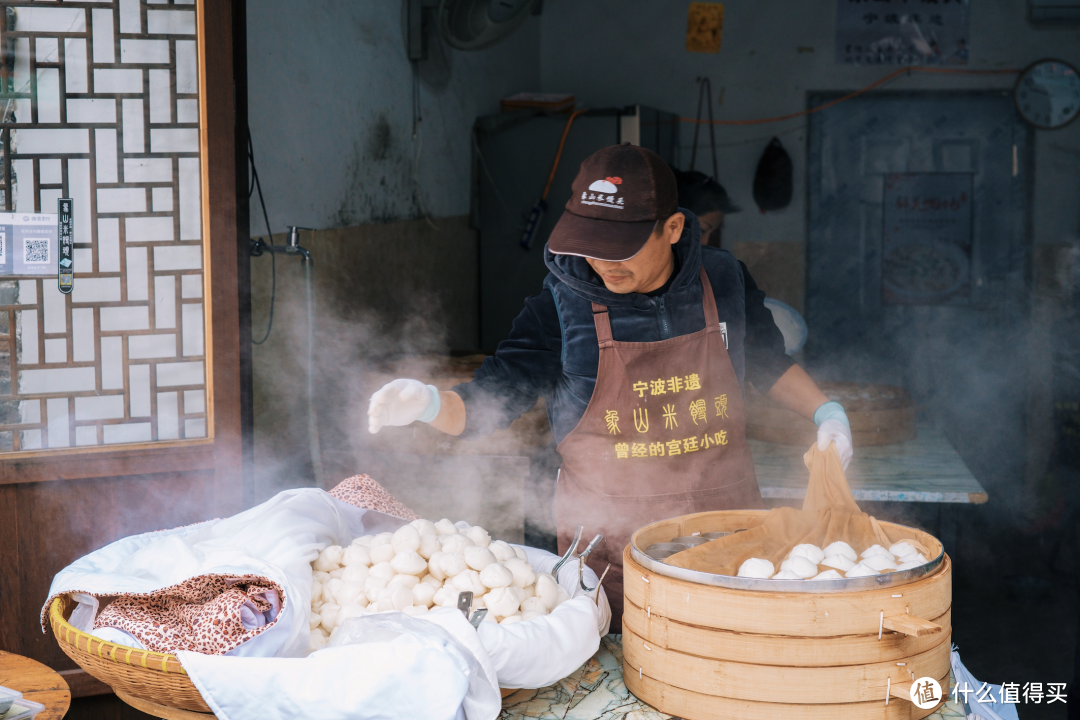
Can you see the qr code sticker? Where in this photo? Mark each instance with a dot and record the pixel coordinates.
(3, 243)
(36, 252)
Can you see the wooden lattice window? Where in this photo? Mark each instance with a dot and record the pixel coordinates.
(101, 103)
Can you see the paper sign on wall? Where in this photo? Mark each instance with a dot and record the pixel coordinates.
(704, 27)
(29, 244)
(926, 239)
(902, 32)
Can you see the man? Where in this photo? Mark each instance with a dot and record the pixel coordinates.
(638, 342)
(707, 199)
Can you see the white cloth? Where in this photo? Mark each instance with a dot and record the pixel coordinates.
(410, 676)
(268, 678)
(995, 710)
(277, 539)
(539, 652)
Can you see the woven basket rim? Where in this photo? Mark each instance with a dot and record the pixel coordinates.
(148, 659)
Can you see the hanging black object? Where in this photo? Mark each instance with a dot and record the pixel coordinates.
(773, 180)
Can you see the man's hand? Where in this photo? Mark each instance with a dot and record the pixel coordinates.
(835, 432)
(402, 402)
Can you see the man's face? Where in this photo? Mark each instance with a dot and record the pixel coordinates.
(647, 270)
(711, 222)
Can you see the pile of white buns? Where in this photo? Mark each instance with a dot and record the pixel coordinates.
(839, 560)
(423, 565)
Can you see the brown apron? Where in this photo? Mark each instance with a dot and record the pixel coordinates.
(664, 435)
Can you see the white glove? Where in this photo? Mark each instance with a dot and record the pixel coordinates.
(838, 433)
(401, 402)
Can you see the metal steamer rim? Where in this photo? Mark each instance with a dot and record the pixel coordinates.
(815, 587)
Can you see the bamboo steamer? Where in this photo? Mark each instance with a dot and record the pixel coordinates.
(706, 652)
(879, 415)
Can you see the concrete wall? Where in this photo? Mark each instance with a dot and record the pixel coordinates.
(614, 52)
(330, 107)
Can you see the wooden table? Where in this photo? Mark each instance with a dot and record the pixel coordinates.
(36, 682)
(595, 691)
(926, 469)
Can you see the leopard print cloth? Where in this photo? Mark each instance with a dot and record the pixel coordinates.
(200, 614)
(363, 492)
(203, 613)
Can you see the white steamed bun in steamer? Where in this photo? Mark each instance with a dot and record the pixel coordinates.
(811, 552)
(877, 550)
(356, 555)
(913, 557)
(861, 570)
(382, 553)
(469, 581)
(424, 527)
(880, 563)
(501, 550)
(478, 557)
(429, 545)
(456, 544)
(841, 548)
(405, 538)
(910, 564)
(534, 604)
(409, 581)
(424, 565)
(756, 568)
(828, 575)
(329, 559)
(547, 590)
(523, 572)
(496, 575)
(409, 562)
(800, 566)
(902, 548)
(452, 564)
(786, 575)
(840, 562)
(384, 570)
(478, 535)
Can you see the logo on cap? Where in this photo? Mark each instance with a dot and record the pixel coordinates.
(603, 193)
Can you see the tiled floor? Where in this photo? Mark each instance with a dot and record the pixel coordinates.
(596, 692)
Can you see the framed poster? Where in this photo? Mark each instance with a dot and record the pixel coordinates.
(926, 239)
(902, 32)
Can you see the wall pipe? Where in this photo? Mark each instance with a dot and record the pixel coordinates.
(292, 247)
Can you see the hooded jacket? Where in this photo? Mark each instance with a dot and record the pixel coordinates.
(553, 351)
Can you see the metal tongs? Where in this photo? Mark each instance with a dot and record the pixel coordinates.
(464, 604)
(569, 553)
(581, 565)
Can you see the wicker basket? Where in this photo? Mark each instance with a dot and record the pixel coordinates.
(156, 677)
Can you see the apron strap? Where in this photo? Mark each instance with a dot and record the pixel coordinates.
(708, 302)
(603, 324)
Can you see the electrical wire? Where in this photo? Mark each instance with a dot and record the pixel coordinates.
(558, 155)
(704, 97)
(851, 95)
(418, 137)
(256, 185)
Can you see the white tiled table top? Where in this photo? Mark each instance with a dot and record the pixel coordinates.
(596, 692)
(926, 469)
